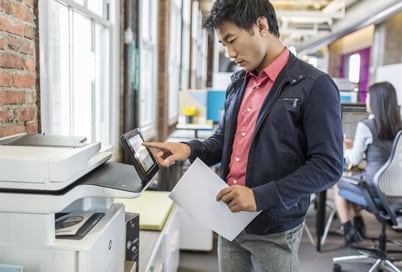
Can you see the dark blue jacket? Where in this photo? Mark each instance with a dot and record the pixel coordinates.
(297, 147)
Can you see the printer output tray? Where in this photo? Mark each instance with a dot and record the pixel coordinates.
(110, 180)
(115, 175)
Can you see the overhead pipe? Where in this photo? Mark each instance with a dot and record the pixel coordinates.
(363, 14)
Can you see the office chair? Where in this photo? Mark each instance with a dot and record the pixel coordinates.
(385, 202)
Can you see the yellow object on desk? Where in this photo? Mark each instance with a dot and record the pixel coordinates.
(153, 206)
(189, 111)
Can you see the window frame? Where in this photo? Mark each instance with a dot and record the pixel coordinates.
(148, 43)
(109, 21)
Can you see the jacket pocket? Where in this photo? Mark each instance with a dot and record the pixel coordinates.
(286, 117)
(293, 101)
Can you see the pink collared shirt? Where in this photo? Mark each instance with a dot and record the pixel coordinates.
(256, 90)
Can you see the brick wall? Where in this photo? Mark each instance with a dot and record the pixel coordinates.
(18, 76)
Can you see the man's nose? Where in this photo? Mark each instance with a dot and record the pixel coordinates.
(231, 53)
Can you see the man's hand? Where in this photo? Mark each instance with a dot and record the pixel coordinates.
(238, 198)
(169, 152)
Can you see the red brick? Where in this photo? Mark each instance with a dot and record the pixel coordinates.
(11, 26)
(24, 81)
(30, 97)
(14, 44)
(6, 79)
(18, 110)
(31, 127)
(29, 32)
(21, 12)
(11, 61)
(19, 45)
(30, 64)
(12, 98)
(28, 114)
(3, 41)
(12, 130)
(8, 115)
(28, 3)
(5, 6)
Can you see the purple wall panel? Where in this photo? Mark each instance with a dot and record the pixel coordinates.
(364, 69)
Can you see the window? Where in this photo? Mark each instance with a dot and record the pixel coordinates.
(354, 68)
(175, 37)
(148, 67)
(78, 79)
(199, 41)
(186, 40)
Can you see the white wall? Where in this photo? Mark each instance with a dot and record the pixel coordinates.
(393, 74)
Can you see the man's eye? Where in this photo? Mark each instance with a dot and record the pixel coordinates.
(232, 41)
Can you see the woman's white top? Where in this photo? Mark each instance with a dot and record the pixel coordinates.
(363, 138)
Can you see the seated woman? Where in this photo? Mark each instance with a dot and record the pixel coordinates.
(373, 142)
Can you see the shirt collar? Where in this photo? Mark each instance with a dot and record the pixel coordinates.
(274, 68)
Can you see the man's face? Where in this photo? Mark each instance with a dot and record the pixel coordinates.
(247, 48)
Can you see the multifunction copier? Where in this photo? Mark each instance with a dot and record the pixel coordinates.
(56, 204)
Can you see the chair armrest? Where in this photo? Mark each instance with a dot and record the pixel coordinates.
(352, 180)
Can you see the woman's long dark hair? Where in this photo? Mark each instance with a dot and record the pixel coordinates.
(384, 106)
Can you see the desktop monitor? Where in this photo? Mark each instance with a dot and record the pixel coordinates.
(352, 114)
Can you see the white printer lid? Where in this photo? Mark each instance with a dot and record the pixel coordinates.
(110, 180)
(41, 162)
(47, 140)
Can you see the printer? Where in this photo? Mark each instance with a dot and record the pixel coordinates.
(56, 204)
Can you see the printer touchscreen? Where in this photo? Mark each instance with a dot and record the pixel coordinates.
(141, 157)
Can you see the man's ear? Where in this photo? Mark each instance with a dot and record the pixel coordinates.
(262, 25)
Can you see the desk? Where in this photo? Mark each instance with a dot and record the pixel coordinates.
(320, 217)
(209, 125)
(159, 236)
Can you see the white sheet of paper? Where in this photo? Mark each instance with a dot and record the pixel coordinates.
(196, 193)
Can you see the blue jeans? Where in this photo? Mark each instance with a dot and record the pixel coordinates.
(277, 252)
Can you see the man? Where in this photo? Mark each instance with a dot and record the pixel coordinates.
(279, 141)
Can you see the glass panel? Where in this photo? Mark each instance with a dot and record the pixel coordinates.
(58, 70)
(354, 68)
(77, 91)
(174, 60)
(83, 76)
(81, 2)
(146, 23)
(102, 86)
(146, 86)
(186, 58)
(96, 6)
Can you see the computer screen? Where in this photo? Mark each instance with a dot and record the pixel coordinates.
(352, 114)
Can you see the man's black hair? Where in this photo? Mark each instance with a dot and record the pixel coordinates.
(243, 13)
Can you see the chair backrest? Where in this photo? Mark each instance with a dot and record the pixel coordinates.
(388, 180)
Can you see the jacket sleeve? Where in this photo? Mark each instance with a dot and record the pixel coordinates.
(209, 150)
(323, 165)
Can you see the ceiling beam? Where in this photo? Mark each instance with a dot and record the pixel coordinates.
(359, 16)
(310, 14)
